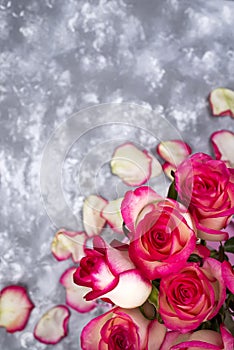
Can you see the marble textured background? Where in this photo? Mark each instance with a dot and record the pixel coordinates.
(58, 57)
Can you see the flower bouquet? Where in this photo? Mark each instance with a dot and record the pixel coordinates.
(166, 282)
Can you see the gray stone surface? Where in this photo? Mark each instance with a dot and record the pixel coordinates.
(58, 57)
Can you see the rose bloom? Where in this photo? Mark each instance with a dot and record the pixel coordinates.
(162, 237)
(192, 295)
(110, 274)
(206, 186)
(122, 329)
(203, 339)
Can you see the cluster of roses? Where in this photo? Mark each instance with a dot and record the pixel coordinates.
(167, 288)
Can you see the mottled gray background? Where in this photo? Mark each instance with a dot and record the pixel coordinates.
(58, 57)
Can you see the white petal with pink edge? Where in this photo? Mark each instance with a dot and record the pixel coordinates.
(53, 325)
(134, 202)
(174, 151)
(112, 214)
(92, 219)
(156, 167)
(223, 145)
(75, 294)
(131, 164)
(15, 308)
(222, 102)
(68, 244)
(131, 291)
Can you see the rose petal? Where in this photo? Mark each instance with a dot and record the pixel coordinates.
(173, 151)
(124, 294)
(223, 145)
(156, 335)
(132, 165)
(227, 337)
(15, 308)
(90, 335)
(68, 244)
(222, 102)
(168, 168)
(92, 219)
(156, 167)
(75, 294)
(134, 202)
(228, 275)
(53, 325)
(112, 214)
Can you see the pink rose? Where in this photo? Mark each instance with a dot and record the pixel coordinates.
(162, 236)
(203, 339)
(122, 329)
(110, 274)
(192, 296)
(206, 186)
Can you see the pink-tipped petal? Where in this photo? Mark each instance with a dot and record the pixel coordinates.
(228, 339)
(125, 294)
(168, 168)
(156, 167)
(223, 145)
(68, 244)
(92, 215)
(15, 308)
(90, 335)
(75, 294)
(132, 165)
(174, 151)
(53, 325)
(134, 202)
(112, 214)
(228, 275)
(222, 102)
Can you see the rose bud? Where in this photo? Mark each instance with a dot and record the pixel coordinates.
(110, 274)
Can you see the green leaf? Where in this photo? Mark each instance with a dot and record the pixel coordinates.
(229, 245)
(153, 298)
(195, 258)
(172, 193)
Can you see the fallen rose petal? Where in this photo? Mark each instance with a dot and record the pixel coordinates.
(132, 165)
(222, 102)
(156, 167)
(174, 151)
(15, 308)
(228, 275)
(92, 218)
(112, 214)
(75, 294)
(68, 244)
(53, 325)
(168, 168)
(223, 145)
